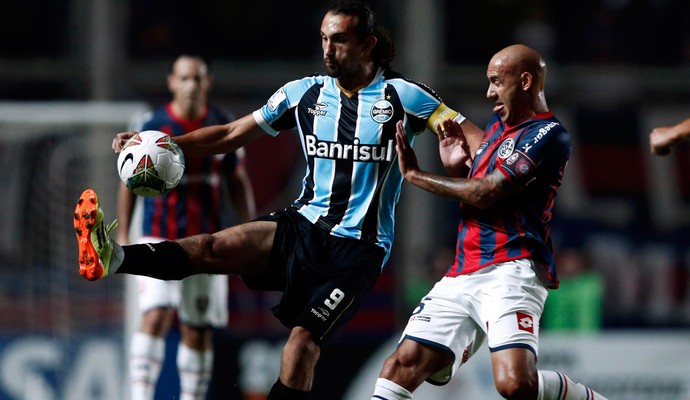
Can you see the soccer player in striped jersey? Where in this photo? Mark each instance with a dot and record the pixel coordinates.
(327, 249)
(195, 206)
(496, 288)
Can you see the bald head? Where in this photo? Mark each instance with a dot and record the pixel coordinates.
(516, 83)
(519, 58)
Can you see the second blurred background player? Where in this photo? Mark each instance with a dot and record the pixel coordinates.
(195, 206)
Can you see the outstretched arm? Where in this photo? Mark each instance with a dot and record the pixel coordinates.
(479, 192)
(216, 139)
(663, 138)
(241, 193)
(125, 208)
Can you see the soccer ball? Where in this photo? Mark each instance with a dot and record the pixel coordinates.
(150, 163)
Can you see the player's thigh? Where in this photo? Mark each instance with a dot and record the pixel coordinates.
(511, 303)
(236, 250)
(443, 320)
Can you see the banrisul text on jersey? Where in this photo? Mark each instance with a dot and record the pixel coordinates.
(354, 152)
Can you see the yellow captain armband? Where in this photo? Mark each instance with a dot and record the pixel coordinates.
(443, 112)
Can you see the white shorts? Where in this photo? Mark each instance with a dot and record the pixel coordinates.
(502, 302)
(200, 300)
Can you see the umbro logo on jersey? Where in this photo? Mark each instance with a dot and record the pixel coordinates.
(525, 322)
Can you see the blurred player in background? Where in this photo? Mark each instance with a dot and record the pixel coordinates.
(496, 287)
(325, 251)
(194, 207)
(663, 138)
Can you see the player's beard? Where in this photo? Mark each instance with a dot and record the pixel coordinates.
(332, 68)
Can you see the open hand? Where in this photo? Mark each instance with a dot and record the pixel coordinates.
(407, 160)
(452, 146)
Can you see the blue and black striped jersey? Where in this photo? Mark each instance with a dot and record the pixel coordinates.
(352, 181)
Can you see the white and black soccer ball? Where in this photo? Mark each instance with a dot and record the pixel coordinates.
(150, 163)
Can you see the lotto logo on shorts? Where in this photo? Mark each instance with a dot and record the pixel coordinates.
(525, 322)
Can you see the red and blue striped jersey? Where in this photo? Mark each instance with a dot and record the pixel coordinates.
(194, 206)
(533, 155)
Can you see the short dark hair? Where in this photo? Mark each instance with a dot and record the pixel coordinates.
(384, 51)
(198, 56)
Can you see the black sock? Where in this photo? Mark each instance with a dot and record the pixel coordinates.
(282, 392)
(165, 260)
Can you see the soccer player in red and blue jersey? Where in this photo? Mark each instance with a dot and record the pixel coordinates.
(495, 290)
(195, 206)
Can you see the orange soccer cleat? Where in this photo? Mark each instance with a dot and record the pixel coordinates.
(95, 244)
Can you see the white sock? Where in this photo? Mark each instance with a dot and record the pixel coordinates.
(557, 386)
(389, 390)
(195, 368)
(146, 355)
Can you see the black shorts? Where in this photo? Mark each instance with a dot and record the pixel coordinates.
(323, 277)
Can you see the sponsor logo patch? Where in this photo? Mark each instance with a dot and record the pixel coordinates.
(525, 322)
(318, 315)
(355, 152)
(324, 311)
(512, 159)
(276, 99)
(202, 304)
(318, 109)
(422, 318)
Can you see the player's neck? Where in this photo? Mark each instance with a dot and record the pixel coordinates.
(187, 111)
(353, 84)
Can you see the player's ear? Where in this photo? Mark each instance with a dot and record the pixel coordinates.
(370, 43)
(171, 83)
(526, 81)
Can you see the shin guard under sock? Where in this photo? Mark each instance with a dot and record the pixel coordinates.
(165, 260)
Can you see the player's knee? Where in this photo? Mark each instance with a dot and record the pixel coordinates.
(411, 364)
(518, 386)
(206, 243)
(399, 360)
(301, 341)
(409, 359)
(200, 247)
